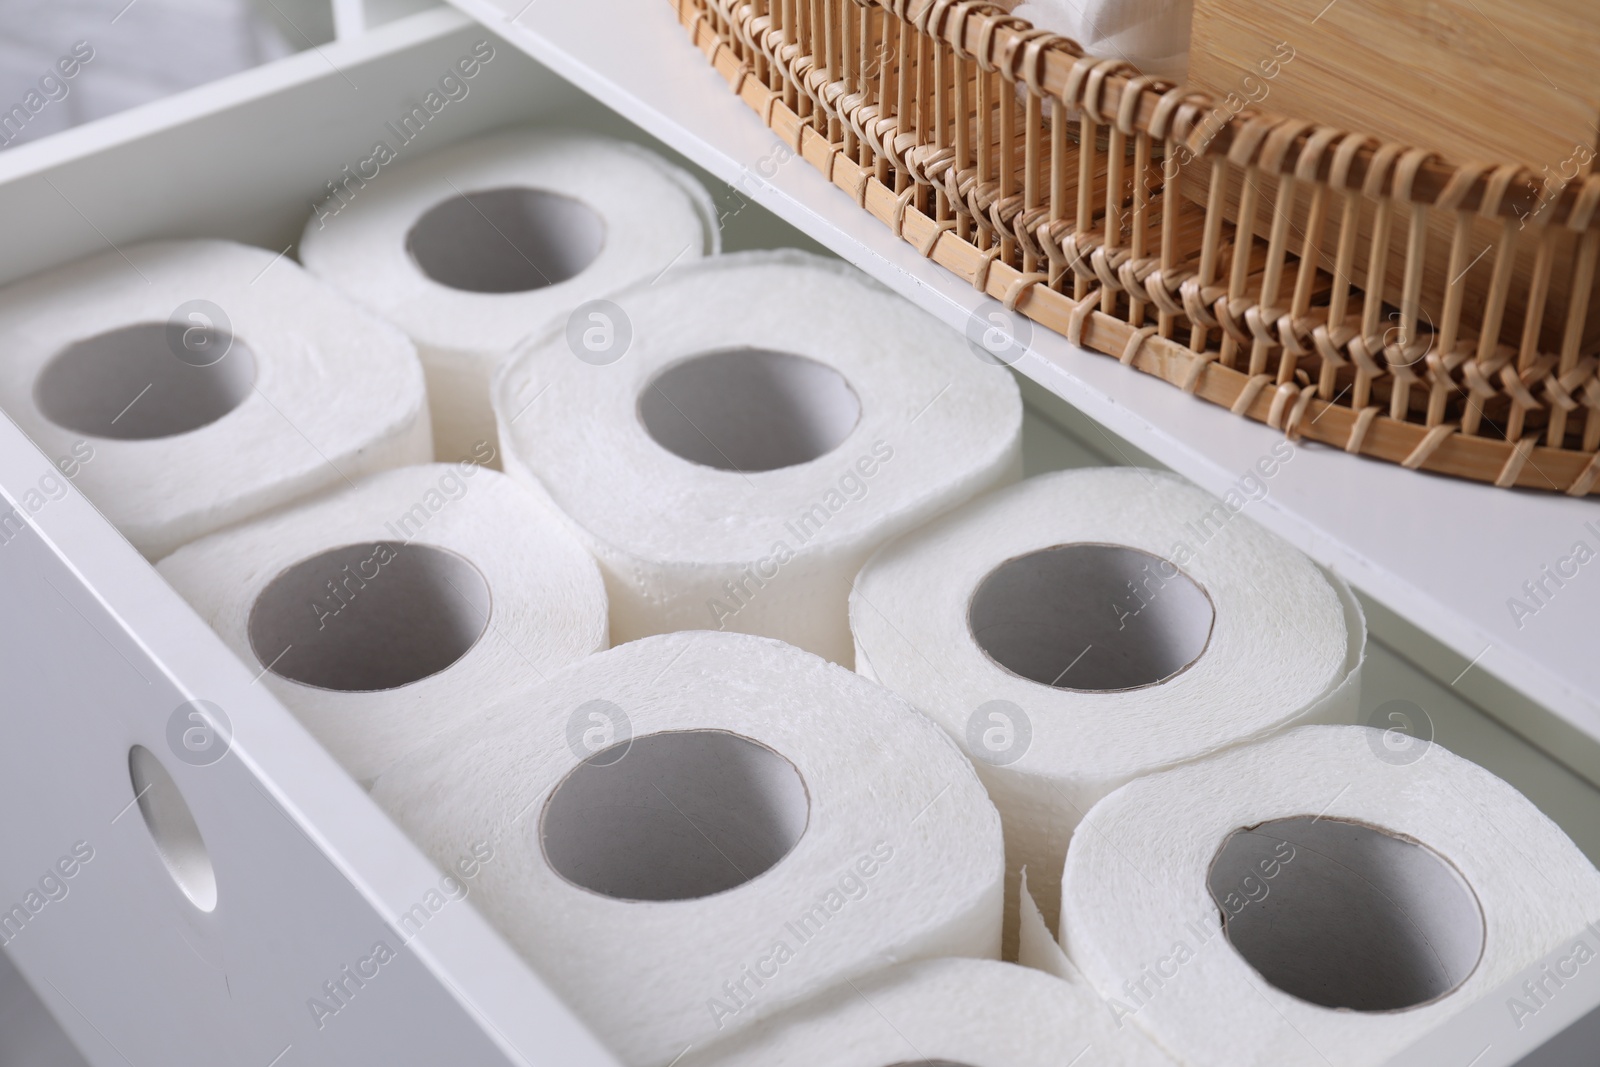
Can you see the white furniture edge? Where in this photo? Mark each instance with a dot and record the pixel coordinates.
(162, 638)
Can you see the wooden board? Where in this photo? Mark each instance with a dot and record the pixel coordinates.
(1492, 80)
(1474, 80)
(1477, 276)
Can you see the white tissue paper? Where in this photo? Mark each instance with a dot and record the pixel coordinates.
(430, 591)
(1168, 628)
(475, 247)
(969, 1013)
(695, 831)
(1371, 894)
(192, 384)
(1153, 35)
(754, 427)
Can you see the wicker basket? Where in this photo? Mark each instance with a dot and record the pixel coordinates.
(945, 120)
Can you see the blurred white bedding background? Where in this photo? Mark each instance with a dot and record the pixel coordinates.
(141, 51)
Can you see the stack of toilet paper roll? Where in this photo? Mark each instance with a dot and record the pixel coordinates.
(1083, 628)
(696, 831)
(1314, 899)
(188, 385)
(953, 1013)
(384, 613)
(755, 425)
(483, 244)
(721, 849)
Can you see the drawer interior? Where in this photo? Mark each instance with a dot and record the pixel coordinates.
(247, 159)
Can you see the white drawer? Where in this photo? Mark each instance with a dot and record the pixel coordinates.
(99, 655)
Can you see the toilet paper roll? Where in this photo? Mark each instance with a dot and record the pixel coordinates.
(1153, 35)
(1314, 899)
(186, 385)
(475, 247)
(950, 1013)
(695, 831)
(384, 613)
(762, 422)
(1089, 626)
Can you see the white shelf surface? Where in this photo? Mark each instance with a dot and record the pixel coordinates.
(1443, 553)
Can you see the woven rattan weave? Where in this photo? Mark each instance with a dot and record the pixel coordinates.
(1280, 269)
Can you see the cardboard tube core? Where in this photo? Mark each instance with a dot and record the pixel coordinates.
(676, 815)
(507, 240)
(1091, 617)
(145, 381)
(369, 616)
(749, 409)
(1347, 915)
